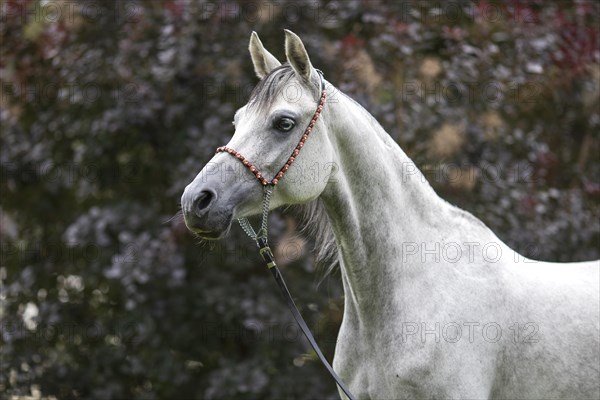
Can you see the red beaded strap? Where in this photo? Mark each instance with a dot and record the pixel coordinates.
(290, 160)
(247, 163)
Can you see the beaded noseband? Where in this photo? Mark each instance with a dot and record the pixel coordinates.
(260, 176)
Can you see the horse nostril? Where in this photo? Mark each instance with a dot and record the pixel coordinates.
(203, 201)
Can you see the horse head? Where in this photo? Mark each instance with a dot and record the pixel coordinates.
(268, 132)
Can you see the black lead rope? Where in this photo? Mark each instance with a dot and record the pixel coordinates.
(267, 255)
(261, 237)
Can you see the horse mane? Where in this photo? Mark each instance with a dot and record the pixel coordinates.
(314, 222)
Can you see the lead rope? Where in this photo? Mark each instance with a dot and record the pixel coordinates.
(260, 237)
(265, 251)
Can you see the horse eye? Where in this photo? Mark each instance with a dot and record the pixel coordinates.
(285, 124)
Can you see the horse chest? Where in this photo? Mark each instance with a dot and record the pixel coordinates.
(376, 365)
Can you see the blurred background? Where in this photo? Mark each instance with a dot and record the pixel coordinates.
(108, 109)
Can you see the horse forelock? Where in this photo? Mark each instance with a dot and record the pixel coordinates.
(266, 91)
(269, 88)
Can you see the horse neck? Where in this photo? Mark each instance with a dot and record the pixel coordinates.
(376, 201)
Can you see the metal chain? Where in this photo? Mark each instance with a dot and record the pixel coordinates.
(262, 232)
(247, 228)
(268, 190)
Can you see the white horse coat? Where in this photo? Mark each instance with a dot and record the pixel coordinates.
(436, 306)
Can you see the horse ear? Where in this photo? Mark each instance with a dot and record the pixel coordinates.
(264, 62)
(297, 56)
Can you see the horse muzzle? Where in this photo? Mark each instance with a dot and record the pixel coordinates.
(201, 214)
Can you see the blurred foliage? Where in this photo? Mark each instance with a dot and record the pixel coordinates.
(110, 109)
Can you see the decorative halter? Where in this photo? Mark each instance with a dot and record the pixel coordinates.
(261, 237)
(260, 176)
(270, 185)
